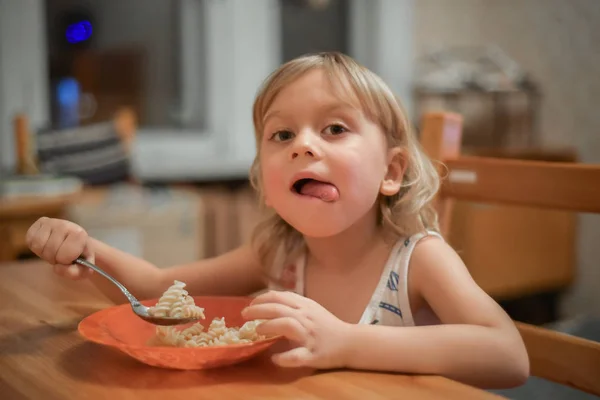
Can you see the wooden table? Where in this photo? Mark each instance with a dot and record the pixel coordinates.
(17, 214)
(42, 356)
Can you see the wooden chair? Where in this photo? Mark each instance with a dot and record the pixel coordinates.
(124, 122)
(554, 356)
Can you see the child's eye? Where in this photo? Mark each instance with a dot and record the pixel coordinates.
(335, 129)
(282, 136)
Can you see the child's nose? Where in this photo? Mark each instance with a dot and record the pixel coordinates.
(305, 145)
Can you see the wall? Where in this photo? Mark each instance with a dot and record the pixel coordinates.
(381, 37)
(23, 74)
(557, 42)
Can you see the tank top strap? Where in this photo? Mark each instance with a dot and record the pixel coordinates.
(390, 304)
(288, 274)
(400, 273)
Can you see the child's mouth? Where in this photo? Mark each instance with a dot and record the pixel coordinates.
(317, 189)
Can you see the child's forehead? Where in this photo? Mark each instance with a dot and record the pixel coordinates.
(335, 83)
(329, 91)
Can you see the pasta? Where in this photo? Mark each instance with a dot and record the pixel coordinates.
(176, 302)
(218, 334)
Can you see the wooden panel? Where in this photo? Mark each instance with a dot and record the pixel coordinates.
(249, 213)
(512, 250)
(441, 135)
(13, 208)
(554, 154)
(563, 358)
(566, 186)
(13, 232)
(440, 139)
(220, 219)
(26, 163)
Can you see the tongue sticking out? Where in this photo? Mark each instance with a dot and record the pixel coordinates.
(324, 191)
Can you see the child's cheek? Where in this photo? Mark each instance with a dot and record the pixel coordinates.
(352, 176)
(273, 183)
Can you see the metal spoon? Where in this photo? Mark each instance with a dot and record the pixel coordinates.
(139, 309)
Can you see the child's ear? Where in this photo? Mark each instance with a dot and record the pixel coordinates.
(397, 163)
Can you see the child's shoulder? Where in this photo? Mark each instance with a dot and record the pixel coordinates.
(420, 237)
(431, 249)
(418, 249)
(434, 263)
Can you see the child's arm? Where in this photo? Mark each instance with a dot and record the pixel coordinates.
(477, 342)
(236, 272)
(60, 242)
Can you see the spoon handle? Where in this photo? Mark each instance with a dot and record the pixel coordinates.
(134, 302)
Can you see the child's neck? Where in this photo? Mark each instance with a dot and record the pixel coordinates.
(349, 248)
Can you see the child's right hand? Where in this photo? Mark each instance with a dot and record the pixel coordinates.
(60, 242)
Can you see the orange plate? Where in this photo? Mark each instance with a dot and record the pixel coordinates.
(120, 328)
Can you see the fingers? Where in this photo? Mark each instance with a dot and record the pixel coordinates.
(72, 271)
(38, 234)
(41, 236)
(298, 357)
(87, 253)
(283, 318)
(72, 245)
(59, 243)
(289, 299)
(32, 231)
(54, 242)
(62, 270)
(288, 327)
(268, 311)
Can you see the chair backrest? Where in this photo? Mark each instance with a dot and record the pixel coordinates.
(562, 358)
(96, 153)
(554, 356)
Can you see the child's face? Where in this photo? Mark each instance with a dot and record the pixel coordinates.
(310, 133)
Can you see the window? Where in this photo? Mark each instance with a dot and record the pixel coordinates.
(144, 54)
(309, 26)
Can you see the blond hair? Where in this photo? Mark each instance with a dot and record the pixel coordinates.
(402, 214)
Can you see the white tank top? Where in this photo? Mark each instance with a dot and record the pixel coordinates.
(389, 304)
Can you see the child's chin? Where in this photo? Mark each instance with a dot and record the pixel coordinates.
(318, 223)
(321, 229)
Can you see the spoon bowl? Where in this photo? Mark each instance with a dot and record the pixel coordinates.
(138, 308)
(143, 312)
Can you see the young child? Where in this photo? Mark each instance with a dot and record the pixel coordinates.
(360, 276)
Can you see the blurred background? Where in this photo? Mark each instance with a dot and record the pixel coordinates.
(133, 119)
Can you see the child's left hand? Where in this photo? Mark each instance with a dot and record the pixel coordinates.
(321, 336)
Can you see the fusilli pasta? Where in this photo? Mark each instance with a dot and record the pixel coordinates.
(176, 302)
(217, 334)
